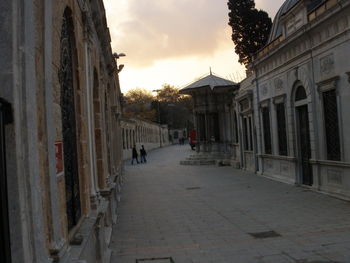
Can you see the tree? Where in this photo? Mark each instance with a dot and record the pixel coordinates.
(250, 28)
(175, 109)
(138, 104)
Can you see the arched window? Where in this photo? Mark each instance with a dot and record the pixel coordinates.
(69, 133)
(300, 94)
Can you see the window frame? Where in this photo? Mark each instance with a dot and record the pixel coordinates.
(323, 87)
(266, 106)
(278, 101)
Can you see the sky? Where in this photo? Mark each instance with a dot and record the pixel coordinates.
(174, 41)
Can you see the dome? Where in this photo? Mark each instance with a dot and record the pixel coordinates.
(276, 29)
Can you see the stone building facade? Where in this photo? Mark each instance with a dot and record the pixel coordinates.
(295, 99)
(176, 135)
(289, 116)
(300, 88)
(60, 131)
(141, 132)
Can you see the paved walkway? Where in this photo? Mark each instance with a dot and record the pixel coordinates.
(207, 214)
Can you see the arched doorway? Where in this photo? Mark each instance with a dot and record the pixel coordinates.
(5, 118)
(69, 128)
(303, 136)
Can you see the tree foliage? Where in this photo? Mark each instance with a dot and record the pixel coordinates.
(250, 28)
(174, 109)
(138, 103)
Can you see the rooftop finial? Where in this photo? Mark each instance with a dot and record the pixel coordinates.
(210, 71)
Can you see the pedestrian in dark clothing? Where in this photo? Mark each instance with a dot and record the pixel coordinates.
(134, 155)
(143, 154)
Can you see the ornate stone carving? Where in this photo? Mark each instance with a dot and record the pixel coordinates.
(278, 84)
(285, 168)
(264, 90)
(269, 164)
(327, 64)
(335, 177)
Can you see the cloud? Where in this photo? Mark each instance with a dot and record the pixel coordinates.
(152, 30)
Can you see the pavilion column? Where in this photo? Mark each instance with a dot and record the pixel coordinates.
(206, 126)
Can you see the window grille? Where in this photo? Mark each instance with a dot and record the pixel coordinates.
(245, 134)
(69, 133)
(331, 125)
(267, 130)
(282, 129)
(250, 134)
(236, 127)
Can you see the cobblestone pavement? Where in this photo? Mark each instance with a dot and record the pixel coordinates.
(207, 214)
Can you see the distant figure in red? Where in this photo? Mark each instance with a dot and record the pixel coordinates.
(143, 155)
(134, 155)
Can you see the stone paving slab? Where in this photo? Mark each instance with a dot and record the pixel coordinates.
(208, 213)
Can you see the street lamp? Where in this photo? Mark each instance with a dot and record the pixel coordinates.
(160, 131)
(118, 55)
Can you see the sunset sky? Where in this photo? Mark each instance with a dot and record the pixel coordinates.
(174, 41)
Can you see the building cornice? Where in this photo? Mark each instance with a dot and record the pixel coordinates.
(301, 32)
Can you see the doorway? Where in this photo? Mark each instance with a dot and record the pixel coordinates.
(305, 167)
(5, 248)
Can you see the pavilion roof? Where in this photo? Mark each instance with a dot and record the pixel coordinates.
(211, 81)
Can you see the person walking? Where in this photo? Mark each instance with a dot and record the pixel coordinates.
(134, 155)
(143, 155)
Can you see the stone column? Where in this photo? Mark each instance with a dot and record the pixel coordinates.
(89, 103)
(57, 241)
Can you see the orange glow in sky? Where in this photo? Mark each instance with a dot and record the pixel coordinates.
(174, 41)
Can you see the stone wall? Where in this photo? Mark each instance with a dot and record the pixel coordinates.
(310, 55)
(140, 132)
(35, 86)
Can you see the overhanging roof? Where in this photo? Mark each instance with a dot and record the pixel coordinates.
(210, 81)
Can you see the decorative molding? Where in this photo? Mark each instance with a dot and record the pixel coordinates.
(284, 168)
(265, 103)
(348, 73)
(264, 89)
(269, 164)
(335, 176)
(278, 84)
(279, 99)
(244, 94)
(330, 163)
(327, 84)
(327, 64)
(278, 157)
